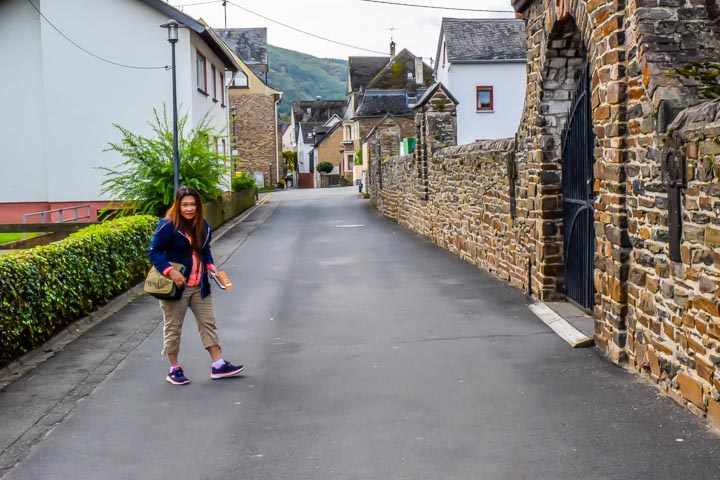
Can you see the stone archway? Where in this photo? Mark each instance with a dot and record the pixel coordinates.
(561, 39)
(565, 63)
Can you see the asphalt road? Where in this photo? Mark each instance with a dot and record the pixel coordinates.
(370, 354)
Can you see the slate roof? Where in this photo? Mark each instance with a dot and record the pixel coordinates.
(320, 110)
(250, 44)
(308, 128)
(377, 103)
(431, 91)
(394, 74)
(484, 39)
(362, 69)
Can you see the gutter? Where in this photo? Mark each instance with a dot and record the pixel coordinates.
(509, 60)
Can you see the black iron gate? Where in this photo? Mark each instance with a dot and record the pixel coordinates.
(577, 193)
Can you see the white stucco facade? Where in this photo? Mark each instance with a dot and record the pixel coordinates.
(60, 103)
(304, 149)
(508, 83)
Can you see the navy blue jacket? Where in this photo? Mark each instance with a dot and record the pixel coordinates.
(170, 245)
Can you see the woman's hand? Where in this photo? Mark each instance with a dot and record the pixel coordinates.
(177, 278)
(213, 269)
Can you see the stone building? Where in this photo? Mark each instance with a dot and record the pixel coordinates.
(255, 139)
(609, 194)
(378, 86)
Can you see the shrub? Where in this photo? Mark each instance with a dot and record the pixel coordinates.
(242, 181)
(44, 288)
(145, 180)
(325, 167)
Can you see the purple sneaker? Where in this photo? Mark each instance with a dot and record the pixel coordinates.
(177, 377)
(226, 370)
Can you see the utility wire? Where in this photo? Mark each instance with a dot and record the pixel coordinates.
(439, 8)
(198, 3)
(302, 31)
(89, 52)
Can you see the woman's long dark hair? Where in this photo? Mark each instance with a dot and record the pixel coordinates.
(196, 227)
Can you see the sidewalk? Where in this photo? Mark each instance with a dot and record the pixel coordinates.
(38, 391)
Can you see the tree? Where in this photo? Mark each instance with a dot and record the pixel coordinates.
(290, 161)
(325, 167)
(144, 182)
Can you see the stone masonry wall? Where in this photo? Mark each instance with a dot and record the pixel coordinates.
(658, 316)
(674, 315)
(468, 209)
(253, 132)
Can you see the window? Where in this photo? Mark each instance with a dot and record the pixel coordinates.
(214, 80)
(222, 90)
(201, 73)
(350, 161)
(484, 96)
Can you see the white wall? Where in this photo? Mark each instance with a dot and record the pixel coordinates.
(441, 73)
(508, 81)
(24, 169)
(63, 105)
(303, 150)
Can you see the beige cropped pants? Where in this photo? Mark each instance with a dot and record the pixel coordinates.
(174, 315)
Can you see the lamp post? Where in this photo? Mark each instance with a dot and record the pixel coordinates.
(172, 28)
(233, 142)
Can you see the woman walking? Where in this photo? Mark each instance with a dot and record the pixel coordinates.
(183, 237)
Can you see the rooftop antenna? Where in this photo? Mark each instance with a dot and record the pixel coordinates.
(224, 3)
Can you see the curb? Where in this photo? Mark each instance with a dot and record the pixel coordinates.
(560, 326)
(67, 335)
(18, 368)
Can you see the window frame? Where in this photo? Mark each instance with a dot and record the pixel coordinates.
(214, 82)
(485, 88)
(221, 79)
(200, 59)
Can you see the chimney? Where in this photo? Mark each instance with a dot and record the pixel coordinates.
(392, 48)
(419, 77)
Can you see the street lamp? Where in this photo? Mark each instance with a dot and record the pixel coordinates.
(172, 28)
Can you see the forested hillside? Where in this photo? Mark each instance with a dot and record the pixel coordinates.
(304, 77)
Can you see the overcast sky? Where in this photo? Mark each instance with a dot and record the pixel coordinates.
(354, 22)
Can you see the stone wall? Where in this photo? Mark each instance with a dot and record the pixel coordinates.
(468, 209)
(253, 134)
(674, 310)
(498, 204)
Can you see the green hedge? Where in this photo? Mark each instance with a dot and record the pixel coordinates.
(45, 288)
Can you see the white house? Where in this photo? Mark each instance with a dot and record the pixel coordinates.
(62, 99)
(482, 62)
(305, 146)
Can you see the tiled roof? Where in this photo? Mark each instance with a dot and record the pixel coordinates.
(362, 69)
(426, 96)
(317, 110)
(400, 74)
(378, 103)
(483, 39)
(307, 128)
(250, 44)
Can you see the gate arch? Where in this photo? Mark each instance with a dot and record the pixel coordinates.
(566, 68)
